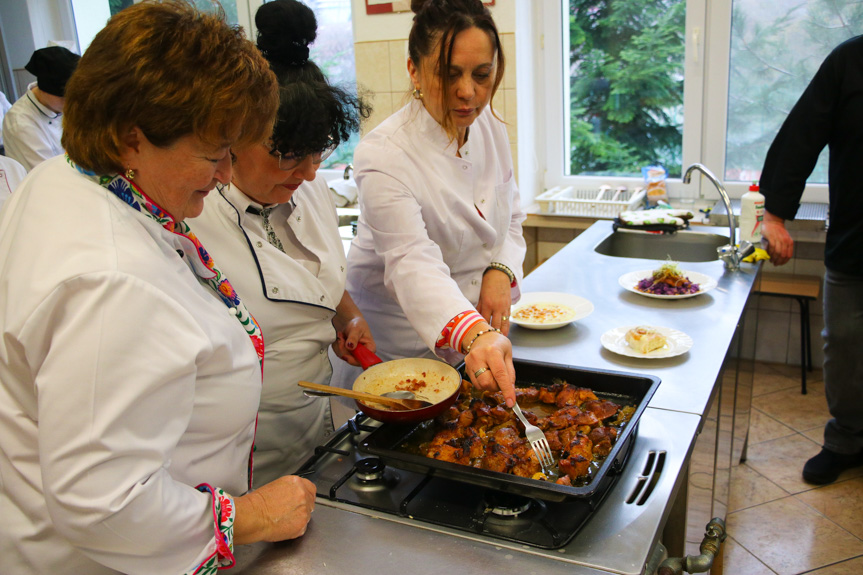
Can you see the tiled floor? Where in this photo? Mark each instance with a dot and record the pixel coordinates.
(777, 523)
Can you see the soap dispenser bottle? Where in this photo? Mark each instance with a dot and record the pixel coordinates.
(751, 215)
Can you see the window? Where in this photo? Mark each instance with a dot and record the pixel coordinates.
(641, 82)
(775, 52)
(333, 52)
(624, 94)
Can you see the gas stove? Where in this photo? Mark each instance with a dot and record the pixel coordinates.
(390, 520)
(345, 475)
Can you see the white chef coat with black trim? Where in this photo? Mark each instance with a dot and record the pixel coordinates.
(293, 296)
(32, 131)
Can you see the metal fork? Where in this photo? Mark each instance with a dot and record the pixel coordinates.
(537, 440)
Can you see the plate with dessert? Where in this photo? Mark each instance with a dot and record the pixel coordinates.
(646, 341)
(549, 310)
(668, 281)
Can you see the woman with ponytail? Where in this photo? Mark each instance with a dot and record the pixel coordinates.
(437, 260)
(275, 230)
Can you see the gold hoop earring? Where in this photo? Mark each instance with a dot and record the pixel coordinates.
(130, 174)
(417, 94)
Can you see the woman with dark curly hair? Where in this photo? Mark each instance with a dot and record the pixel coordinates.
(130, 369)
(437, 260)
(275, 230)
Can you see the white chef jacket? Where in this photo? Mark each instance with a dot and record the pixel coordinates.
(11, 174)
(125, 383)
(32, 131)
(430, 223)
(294, 305)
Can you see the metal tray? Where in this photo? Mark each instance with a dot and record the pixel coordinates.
(622, 387)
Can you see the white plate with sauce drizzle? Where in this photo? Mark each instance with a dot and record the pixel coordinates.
(549, 310)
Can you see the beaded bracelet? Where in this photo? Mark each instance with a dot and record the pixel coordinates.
(489, 330)
(501, 268)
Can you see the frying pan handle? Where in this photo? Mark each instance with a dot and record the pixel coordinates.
(365, 356)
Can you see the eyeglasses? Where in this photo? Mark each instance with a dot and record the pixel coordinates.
(289, 162)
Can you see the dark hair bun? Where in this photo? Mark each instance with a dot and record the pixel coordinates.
(285, 30)
(447, 6)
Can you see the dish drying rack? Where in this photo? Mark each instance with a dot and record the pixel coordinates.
(607, 202)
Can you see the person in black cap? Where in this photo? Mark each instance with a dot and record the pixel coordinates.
(33, 125)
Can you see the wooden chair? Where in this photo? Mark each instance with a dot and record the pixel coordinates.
(804, 289)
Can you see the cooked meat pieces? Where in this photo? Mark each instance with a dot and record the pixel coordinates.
(508, 437)
(567, 417)
(552, 436)
(497, 458)
(482, 413)
(525, 395)
(526, 462)
(575, 459)
(466, 418)
(482, 432)
(603, 439)
(500, 414)
(601, 408)
(500, 453)
(579, 445)
(571, 395)
(575, 466)
(456, 445)
(564, 480)
(549, 394)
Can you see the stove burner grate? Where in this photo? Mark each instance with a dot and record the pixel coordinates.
(507, 504)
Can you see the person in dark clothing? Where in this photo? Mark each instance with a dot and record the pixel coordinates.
(829, 113)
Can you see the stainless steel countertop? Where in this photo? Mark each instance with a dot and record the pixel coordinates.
(709, 319)
(618, 538)
(621, 536)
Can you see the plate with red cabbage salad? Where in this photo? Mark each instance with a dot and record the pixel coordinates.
(667, 281)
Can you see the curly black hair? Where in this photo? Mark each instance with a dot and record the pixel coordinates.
(313, 114)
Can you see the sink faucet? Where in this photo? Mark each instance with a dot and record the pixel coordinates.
(731, 254)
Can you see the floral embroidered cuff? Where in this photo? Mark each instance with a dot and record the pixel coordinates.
(223, 516)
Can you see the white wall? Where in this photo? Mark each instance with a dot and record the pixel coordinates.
(17, 32)
(30, 25)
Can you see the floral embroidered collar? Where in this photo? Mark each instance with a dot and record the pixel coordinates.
(202, 264)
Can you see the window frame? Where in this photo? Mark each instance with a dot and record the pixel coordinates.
(706, 78)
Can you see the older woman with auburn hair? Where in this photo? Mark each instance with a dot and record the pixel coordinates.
(130, 368)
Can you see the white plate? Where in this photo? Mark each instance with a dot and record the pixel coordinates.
(677, 343)
(630, 280)
(580, 306)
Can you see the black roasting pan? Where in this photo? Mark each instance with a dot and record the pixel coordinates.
(389, 441)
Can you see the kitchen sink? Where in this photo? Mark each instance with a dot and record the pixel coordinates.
(682, 246)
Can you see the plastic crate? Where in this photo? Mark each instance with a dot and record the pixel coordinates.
(605, 202)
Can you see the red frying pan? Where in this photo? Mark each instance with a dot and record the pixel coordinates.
(432, 380)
